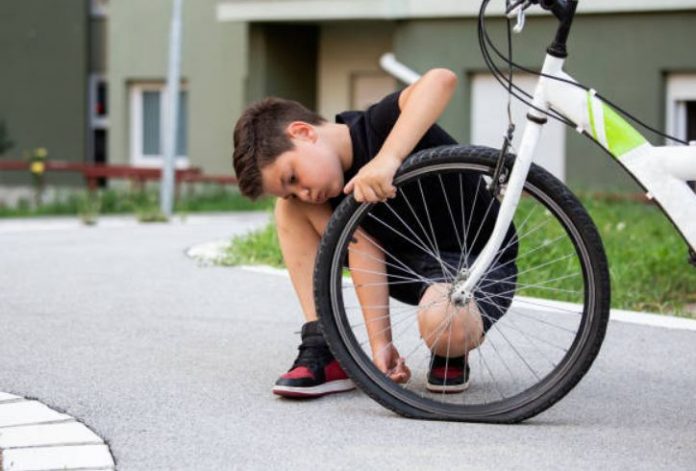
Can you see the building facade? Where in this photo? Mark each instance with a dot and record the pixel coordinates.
(85, 78)
(636, 53)
(50, 56)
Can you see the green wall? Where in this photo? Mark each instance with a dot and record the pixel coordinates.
(283, 62)
(227, 64)
(43, 80)
(213, 66)
(625, 57)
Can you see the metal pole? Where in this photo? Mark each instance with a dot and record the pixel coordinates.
(171, 112)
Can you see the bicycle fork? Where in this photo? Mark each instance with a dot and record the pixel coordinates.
(462, 291)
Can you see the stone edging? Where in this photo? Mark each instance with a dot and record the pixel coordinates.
(36, 437)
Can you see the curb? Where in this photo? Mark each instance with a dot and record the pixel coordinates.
(664, 321)
(210, 252)
(35, 437)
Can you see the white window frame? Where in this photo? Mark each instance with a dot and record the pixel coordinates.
(138, 158)
(489, 121)
(681, 87)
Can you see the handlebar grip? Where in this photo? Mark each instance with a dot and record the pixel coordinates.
(559, 8)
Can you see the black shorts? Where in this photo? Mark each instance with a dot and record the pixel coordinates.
(493, 296)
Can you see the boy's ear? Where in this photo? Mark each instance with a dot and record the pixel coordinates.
(302, 131)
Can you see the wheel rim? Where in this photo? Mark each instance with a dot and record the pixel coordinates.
(527, 352)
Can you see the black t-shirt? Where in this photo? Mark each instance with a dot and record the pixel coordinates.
(457, 201)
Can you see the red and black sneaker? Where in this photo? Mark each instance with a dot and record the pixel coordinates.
(315, 371)
(448, 375)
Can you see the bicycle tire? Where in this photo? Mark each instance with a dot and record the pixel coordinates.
(568, 213)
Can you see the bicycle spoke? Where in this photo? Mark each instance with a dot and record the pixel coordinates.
(451, 215)
(430, 224)
(423, 244)
(532, 299)
(462, 262)
(423, 249)
(478, 232)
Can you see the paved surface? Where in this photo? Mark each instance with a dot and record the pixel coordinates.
(172, 363)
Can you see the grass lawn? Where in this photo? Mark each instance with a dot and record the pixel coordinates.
(647, 257)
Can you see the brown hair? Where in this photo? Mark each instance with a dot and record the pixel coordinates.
(260, 137)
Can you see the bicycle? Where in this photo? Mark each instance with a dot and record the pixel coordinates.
(547, 340)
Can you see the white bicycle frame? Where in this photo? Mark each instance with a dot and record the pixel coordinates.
(663, 171)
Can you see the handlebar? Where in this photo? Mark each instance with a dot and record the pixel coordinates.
(561, 9)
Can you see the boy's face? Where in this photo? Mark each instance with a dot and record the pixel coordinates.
(310, 172)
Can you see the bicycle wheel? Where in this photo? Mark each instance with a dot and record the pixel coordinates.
(531, 356)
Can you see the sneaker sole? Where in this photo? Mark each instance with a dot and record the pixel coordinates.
(337, 386)
(452, 389)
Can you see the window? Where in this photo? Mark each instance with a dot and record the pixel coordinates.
(147, 125)
(681, 106)
(98, 101)
(691, 120)
(489, 121)
(98, 119)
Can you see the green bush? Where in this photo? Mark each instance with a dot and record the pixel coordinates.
(143, 203)
(258, 248)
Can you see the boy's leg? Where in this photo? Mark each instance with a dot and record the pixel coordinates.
(300, 226)
(315, 372)
(447, 330)
(450, 332)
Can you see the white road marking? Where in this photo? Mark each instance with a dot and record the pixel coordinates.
(4, 397)
(57, 457)
(69, 433)
(28, 412)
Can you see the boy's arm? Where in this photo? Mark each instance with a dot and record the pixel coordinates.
(421, 104)
(368, 271)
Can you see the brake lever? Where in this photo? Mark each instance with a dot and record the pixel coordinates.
(519, 25)
(517, 11)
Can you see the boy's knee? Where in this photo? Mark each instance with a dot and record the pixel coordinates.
(282, 210)
(291, 212)
(461, 328)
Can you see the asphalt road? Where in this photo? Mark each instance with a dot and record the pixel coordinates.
(172, 364)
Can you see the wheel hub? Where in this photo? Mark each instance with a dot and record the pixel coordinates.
(454, 295)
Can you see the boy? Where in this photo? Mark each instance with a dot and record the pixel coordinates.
(283, 149)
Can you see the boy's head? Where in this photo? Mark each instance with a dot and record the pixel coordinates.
(278, 150)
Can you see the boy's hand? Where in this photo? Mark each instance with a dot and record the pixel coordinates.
(373, 182)
(388, 361)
